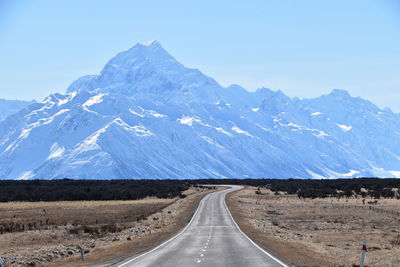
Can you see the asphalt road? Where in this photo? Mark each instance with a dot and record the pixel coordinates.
(212, 238)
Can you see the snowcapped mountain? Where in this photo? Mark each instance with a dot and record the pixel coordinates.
(8, 107)
(147, 116)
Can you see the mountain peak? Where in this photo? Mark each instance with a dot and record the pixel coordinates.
(266, 92)
(151, 43)
(141, 52)
(339, 93)
(140, 60)
(147, 68)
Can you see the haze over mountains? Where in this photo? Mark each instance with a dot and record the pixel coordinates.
(147, 116)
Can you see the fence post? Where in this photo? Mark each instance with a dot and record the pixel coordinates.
(81, 250)
(363, 252)
(398, 235)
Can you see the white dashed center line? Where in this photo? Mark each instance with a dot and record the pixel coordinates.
(210, 233)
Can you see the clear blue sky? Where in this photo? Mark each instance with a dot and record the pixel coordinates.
(305, 48)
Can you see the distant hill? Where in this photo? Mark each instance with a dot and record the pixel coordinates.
(147, 116)
(8, 107)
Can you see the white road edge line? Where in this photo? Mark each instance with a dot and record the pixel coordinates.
(275, 259)
(169, 240)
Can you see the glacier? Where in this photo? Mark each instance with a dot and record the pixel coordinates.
(148, 116)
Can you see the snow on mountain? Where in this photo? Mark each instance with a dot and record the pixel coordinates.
(147, 70)
(8, 107)
(147, 116)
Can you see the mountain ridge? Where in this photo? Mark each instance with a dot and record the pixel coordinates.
(147, 116)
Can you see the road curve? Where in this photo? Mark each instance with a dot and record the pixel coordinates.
(212, 238)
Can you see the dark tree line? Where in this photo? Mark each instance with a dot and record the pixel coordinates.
(364, 187)
(71, 190)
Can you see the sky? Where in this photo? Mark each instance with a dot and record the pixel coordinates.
(304, 48)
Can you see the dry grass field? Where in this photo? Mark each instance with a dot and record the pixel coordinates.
(319, 232)
(48, 233)
(77, 212)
